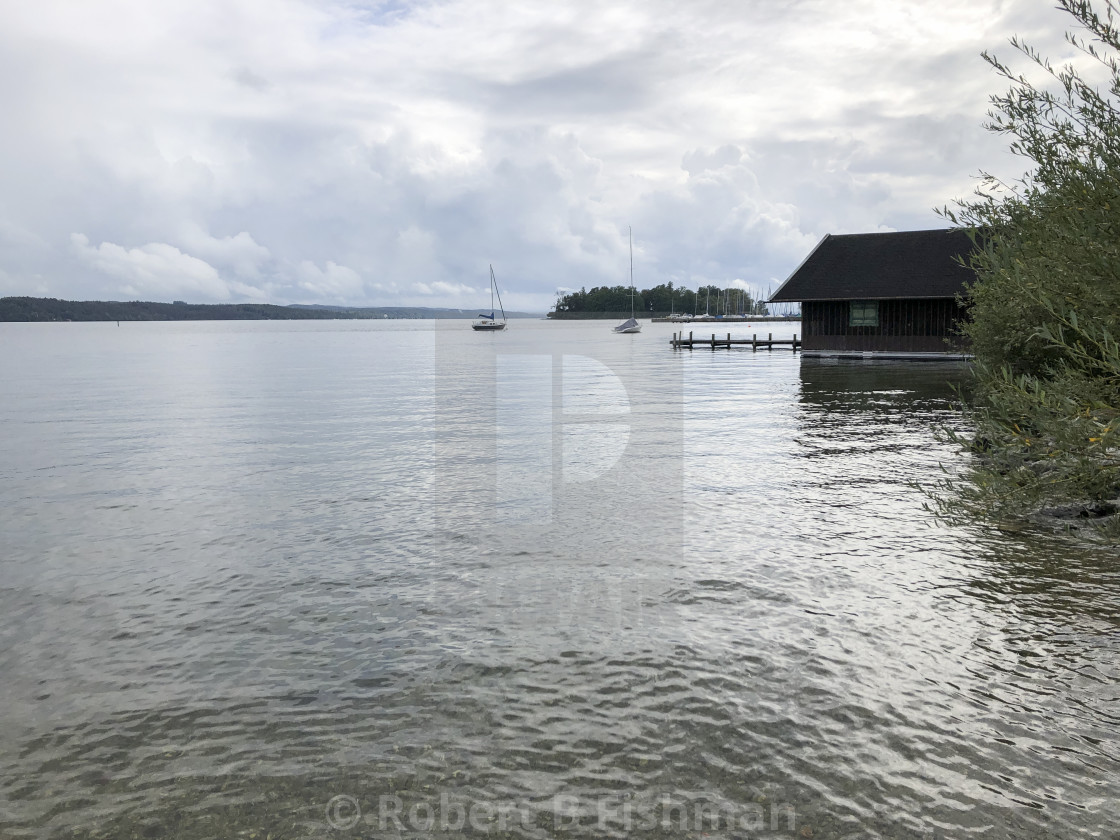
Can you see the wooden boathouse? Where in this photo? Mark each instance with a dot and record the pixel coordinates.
(889, 295)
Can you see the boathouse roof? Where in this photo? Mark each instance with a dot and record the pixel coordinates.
(882, 266)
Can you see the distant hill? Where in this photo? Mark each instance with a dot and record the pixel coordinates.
(52, 309)
(406, 311)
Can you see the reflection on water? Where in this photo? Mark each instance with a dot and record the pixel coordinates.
(251, 570)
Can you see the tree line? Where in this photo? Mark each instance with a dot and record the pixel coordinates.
(660, 301)
(52, 309)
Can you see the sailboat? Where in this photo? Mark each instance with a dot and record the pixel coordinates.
(707, 302)
(489, 322)
(631, 325)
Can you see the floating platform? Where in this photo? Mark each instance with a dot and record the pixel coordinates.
(679, 342)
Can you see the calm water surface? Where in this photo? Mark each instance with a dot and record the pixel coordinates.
(356, 579)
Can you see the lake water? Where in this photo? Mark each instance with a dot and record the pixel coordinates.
(359, 579)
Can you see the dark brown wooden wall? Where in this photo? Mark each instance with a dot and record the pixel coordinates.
(919, 326)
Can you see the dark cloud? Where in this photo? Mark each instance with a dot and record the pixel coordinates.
(245, 76)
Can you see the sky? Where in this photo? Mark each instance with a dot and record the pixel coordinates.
(387, 153)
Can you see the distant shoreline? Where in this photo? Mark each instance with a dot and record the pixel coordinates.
(27, 309)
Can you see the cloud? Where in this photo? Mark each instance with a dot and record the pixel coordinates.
(245, 76)
(240, 252)
(455, 292)
(334, 283)
(33, 286)
(154, 271)
(388, 153)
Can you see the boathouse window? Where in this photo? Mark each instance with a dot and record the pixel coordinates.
(864, 313)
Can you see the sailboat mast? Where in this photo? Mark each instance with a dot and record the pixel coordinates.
(493, 291)
(631, 232)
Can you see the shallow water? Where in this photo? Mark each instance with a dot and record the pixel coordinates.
(337, 579)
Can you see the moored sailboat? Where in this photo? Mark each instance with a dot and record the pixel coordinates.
(631, 325)
(489, 322)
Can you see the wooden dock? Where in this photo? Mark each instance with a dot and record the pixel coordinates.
(679, 342)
